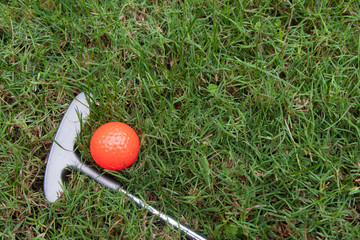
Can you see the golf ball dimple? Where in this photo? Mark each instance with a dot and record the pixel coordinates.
(114, 146)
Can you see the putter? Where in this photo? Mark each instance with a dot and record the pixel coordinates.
(63, 157)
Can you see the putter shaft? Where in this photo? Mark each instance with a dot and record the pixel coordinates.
(114, 185)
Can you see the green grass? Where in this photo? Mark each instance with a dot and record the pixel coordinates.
(247, 111)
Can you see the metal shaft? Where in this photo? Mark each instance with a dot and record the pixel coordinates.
(112, 184)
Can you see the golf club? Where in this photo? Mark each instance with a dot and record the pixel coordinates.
(62, 157)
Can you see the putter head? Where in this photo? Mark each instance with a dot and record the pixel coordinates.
(62, 153)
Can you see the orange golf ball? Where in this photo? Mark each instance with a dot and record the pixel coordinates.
(114, 146)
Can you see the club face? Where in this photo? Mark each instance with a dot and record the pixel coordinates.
(62, 153)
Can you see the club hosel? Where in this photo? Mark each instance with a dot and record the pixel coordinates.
(97, 176)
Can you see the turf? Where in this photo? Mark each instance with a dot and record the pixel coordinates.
(247, 112)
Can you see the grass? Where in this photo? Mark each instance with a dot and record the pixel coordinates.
(247, 111)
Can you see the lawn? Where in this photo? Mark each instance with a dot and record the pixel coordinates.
(247, 114)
